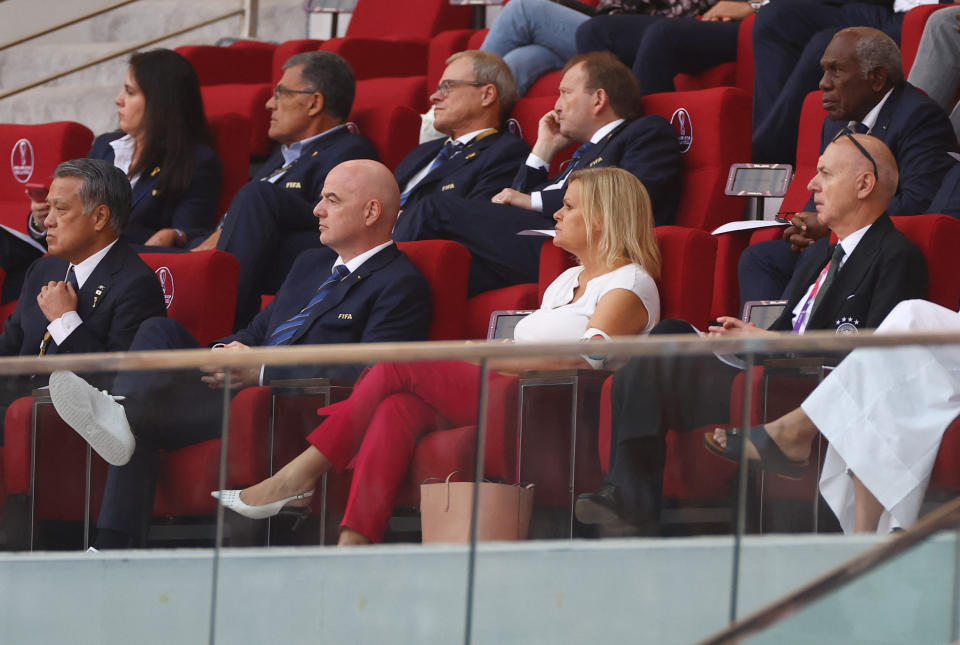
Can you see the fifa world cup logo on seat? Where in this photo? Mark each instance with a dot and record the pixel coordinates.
(680, 120)
(22, 160)
(165, 276)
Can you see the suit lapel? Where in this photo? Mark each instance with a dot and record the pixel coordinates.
(595, 155)
(880, 128)
(423, 155)
(851, 274)
(146, 186)
(340, 291)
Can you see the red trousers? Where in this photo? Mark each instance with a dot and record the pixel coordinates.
(378, 426)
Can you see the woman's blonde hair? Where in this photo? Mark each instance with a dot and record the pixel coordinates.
(617, 203)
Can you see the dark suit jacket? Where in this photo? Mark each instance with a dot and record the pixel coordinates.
(384, 300)
(193, 213)
(305, 177)
(884, 269)
(129, 294)
(647, 147)
(482, 169)
(919, 135)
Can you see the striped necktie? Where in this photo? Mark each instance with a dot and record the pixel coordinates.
(449, 149)
(835, 261)
(284, 332)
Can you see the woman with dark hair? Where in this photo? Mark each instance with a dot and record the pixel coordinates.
(163, 145)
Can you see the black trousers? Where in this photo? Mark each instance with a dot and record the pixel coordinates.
(650, 396)
(259, 220)
(16, 256)
(658, 48)
(500, 257)
(167, 409)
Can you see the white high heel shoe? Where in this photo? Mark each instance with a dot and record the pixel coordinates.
(231, 499)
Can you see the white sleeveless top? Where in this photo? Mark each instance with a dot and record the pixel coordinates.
(560, 319)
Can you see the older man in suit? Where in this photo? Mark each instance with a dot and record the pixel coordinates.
(598, 108)
(92, 292)
(852, 285)
(369, 293)
(864, 91)
(307, 113)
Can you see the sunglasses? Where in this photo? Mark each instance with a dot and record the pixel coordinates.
(848, 134)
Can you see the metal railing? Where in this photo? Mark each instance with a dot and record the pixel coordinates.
(249, 11)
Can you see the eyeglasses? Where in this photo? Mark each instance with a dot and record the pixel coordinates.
(280, 89)
(444, 86)
(846, 133)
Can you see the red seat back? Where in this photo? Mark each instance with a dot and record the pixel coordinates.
(394, 126)
(389, 19)
(714, 130)
(200, 290)
(248, 100)
(938, 237)
(33, 152)
(231, 140)
(446, 266)
(242, 62)
(808, 151)
(686, 277)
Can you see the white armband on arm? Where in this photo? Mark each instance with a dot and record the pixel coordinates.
(596, 361)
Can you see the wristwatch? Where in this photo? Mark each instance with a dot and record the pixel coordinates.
(756, 4)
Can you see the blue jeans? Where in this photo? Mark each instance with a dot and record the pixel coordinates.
(533, 37)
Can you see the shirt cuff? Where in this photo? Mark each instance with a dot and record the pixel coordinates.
(64, 326)
(536, 162)
(34, 232)
(536, 201)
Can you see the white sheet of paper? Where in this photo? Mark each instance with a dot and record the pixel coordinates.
(23, 236)
(748, 225)
(544, 232)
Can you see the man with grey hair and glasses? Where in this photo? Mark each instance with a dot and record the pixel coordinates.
(863, 91)
(92, 291)
(308, 113)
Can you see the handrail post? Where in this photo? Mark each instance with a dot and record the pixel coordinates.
(251, 16)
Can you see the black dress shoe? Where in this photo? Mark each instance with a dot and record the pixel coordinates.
(603, 506)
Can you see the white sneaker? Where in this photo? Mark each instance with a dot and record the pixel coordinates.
(95, 415)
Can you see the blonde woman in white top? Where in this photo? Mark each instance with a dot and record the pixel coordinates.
(606, 222)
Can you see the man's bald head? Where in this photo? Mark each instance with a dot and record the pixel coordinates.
(359, 206)
(848, 191)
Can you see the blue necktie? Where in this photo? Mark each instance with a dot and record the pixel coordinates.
(449, 149)
(72, 279)
(858, 128)
(577, 156)
(287, 330)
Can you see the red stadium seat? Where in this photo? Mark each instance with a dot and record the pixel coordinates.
(34, 151)
(249, 100)
(738, 74)
(200, 289)
(241, 62)
(393, 126)
(231, 140)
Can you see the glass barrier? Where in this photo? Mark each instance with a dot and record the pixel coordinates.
(606, 500)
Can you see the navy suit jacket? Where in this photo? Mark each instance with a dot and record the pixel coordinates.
(919, 135)
(129, 293)
(305, 177)
(194, 213)
(386, 299)
(482, 169)
(647, 147)
(884, 269)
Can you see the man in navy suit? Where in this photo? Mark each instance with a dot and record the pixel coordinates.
(789, 37)
(369, 293)
(915, 129)
(307, 113)
(475, 96)
(598, 107)
(92, 292)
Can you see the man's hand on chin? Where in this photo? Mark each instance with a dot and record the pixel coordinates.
(511, 197)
